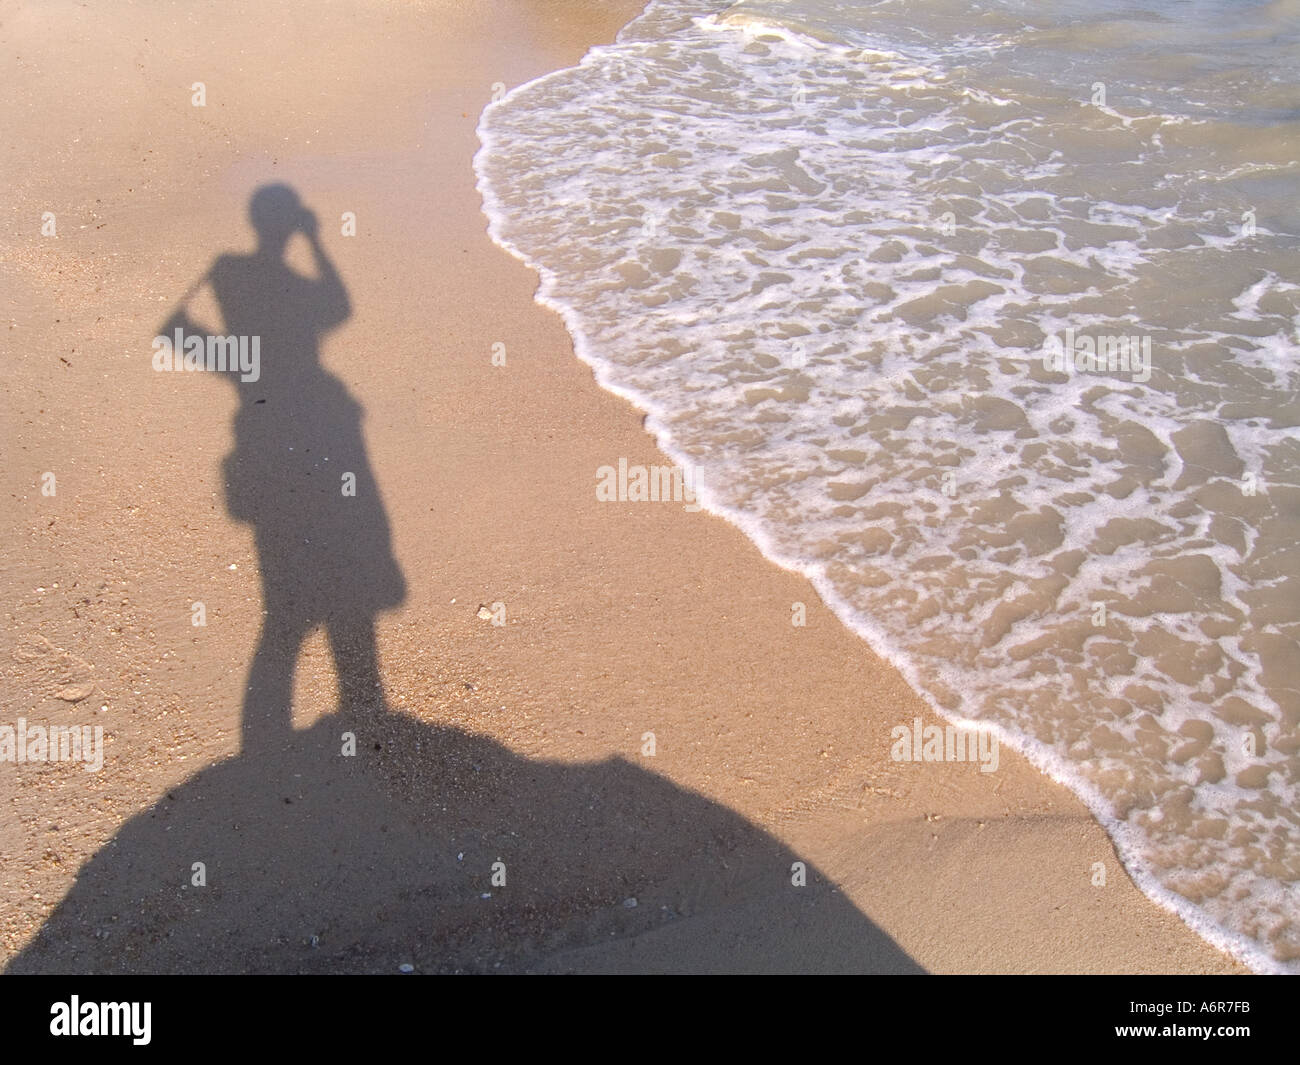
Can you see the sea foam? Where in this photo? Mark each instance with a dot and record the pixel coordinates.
(825, 254)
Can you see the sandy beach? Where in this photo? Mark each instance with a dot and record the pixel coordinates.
(603, 745)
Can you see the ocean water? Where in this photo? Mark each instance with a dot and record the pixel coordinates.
(854, 260)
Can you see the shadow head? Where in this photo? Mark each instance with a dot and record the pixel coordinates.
(276, 212)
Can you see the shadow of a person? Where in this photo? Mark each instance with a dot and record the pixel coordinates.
(299, 473)
(312, 852)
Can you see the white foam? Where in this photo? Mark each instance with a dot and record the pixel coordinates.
(772, 283)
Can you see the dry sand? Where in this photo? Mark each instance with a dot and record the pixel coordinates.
(519, 743)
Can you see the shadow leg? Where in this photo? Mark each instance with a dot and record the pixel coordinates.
(352, 642)
(268, 697)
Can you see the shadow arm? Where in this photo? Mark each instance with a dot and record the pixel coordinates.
(180, 318)
(334, 295)
(180, 327)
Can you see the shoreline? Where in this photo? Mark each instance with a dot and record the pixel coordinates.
(619, 620)
(1046, 761)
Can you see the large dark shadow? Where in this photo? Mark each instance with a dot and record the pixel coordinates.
(369, 840)
(385, 857)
